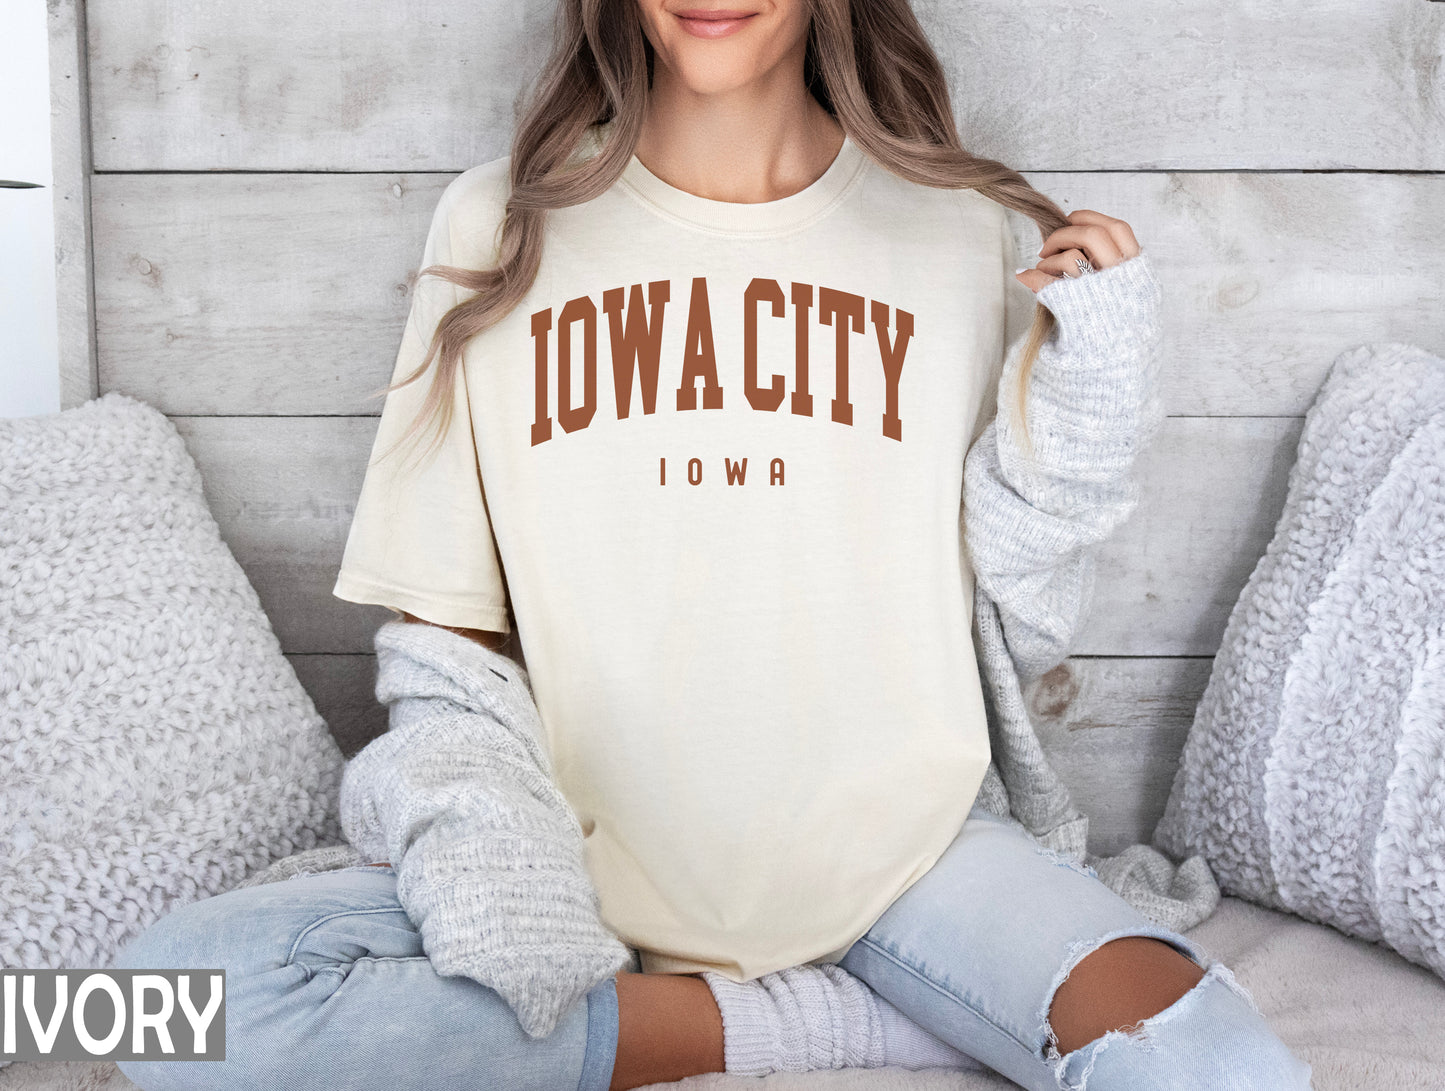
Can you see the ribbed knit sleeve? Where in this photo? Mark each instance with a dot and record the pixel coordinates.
(459, 796)
(1031, 523)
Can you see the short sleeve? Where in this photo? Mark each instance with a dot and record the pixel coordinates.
(421, 539)
(1019, 302)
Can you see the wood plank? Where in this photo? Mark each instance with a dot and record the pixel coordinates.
(256, 293)
(283, 490)
(1267, 278)
(1213, 489)
(286, 294)
(372, 85)
(1114, 729)
(330, 85)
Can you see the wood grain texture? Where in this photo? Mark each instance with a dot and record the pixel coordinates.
(1068, 85)
(256, 293)
(1267, 277)
(1114, 729)
(333, 85)
(1213, 489)
(283, 491)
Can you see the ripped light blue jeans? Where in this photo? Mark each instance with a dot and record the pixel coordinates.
(976, 948)
(328, 986)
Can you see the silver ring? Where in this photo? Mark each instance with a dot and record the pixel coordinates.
(1085, 266)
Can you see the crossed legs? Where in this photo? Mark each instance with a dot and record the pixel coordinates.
(977, 954)
(670, 1028)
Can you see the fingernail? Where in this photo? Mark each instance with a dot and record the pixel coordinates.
(1022, 269)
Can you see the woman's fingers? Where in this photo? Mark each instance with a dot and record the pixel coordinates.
(1093, 241)
(1066, 264)
(1034, 279)
(1098, 239)
(1063, 264)
(1104, 240)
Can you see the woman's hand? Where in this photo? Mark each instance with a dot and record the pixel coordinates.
(1102, 240)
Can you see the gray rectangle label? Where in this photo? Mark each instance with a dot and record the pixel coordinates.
(124, 1015)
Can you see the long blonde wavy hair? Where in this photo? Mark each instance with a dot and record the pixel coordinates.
(868, 63)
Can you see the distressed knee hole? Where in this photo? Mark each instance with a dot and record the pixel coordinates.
(1080, 1058)
(1072, 1069)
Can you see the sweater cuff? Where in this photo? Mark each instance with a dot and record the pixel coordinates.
(1098, 309)
(451, 654)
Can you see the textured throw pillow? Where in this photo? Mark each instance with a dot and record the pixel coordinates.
(155, 745)
(1313, 778)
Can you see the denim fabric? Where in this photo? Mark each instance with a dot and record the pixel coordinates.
(975, 949)
(327, 985)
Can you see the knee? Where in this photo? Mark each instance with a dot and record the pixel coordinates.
(1118, 985)
(250, 934)
(1143, 1011)
(183, 937)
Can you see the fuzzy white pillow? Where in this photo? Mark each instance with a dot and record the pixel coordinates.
(155, 745)
(1313, 778)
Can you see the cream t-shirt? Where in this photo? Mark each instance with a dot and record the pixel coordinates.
(713, 463)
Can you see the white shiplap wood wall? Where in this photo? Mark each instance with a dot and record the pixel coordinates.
(263, 175)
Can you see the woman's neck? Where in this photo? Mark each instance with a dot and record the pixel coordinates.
(750, 146)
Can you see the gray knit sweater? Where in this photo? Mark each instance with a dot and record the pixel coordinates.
(458, 794)
(1031, 527)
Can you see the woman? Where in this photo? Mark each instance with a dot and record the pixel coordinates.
(732, 315)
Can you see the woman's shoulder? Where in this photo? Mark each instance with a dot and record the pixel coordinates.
(470, 212)
(971, 207)
(929, 216)
(479, 192)
(474, 203)
(980, 203)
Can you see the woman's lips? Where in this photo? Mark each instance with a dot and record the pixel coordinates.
(703, 23)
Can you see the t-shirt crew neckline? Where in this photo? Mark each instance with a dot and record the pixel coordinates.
(742, 218)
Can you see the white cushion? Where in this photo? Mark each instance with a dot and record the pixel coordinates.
(1313, 777)
(156, 746)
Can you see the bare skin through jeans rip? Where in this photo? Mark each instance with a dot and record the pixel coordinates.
(1117, 986)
